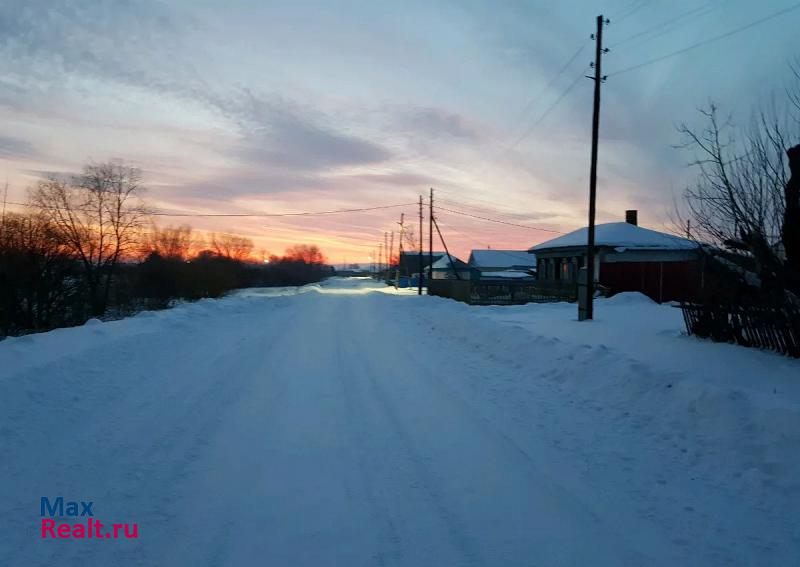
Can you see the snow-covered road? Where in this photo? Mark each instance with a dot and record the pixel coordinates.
(341, 427)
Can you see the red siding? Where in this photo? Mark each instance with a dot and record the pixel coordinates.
(661, 281)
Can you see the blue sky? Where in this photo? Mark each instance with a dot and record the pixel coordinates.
(264, 106)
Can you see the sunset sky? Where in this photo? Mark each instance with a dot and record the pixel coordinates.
(236, 107)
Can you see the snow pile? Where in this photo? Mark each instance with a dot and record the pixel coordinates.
(628, 298)
(701, 439)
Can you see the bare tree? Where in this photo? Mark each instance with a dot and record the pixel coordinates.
(98, 216)
(739, 199)
(169, 242)
(739, 192)
(410, 242)
(37, 283)
(231, 246)
(308, 254)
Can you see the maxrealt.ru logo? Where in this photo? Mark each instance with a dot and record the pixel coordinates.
(69, 529)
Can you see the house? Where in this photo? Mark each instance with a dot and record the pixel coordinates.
(409, 262)
(627, 258)
(446, 267)
(503, 264)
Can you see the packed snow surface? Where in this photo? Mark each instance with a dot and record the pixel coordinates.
(346, 424)
(620, 235)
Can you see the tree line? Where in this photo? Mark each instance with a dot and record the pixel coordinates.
(87, 247)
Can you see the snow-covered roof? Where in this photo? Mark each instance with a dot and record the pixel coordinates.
(511, 274)
(620, 235)
(501, 259)
(443, 263)
(414, 254)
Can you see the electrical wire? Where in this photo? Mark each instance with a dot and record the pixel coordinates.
(488, 209)
(667, 24)
(635, 8)
(226, 215)
(709, 40)
(547, 112)
(531, 103)
(551, 82)
(462, 213)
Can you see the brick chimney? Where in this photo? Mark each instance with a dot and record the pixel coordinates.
(632, 217)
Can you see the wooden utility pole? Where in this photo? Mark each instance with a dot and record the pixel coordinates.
(385, 255)
(419, 278)
(598, 79)
(430, 240)
(399, 251)
(446, 251)
(391, 257)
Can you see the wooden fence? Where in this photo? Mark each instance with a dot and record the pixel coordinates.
(503, 292)
(773, 328)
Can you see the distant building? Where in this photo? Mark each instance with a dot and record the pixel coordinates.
(503, 264)
(409, 262)
(445, 269)
(628, 258)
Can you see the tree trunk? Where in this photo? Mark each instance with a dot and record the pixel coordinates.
(791, 220)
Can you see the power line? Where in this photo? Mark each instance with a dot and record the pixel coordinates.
(449, 226)
(667, 24)
(709, 40)
(486, 209)
(531, 103)
(550, 83)
(490, 209)
(547, 112)
(462, 213)
(195, 214)
(627, 7)
(635, 7)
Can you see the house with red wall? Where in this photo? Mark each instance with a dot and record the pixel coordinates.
(628, 257)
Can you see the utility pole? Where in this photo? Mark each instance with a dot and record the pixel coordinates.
(419, 278)
(430, 240)
(390, 258)
(385, 255)
(446, 251)
(5, 198)
(598, 79)
(380, 261)
(399, 251)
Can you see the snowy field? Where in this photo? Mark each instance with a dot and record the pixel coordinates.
(347, 424)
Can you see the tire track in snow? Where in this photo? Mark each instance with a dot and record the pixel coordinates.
(430, 483)
(490, 442)
(207, 435)
(358, 428)
(478, 362)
